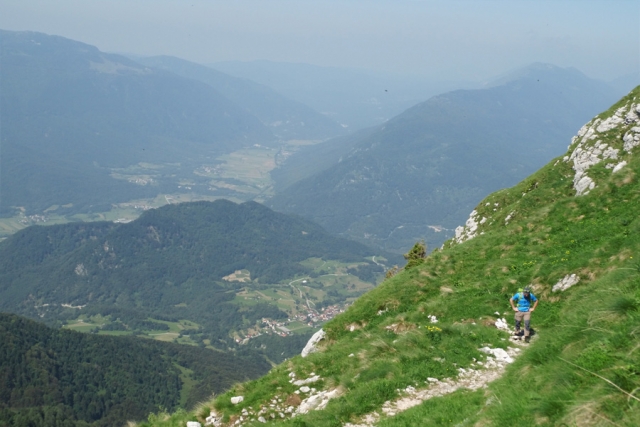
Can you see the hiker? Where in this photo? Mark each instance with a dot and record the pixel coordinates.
(523, 311)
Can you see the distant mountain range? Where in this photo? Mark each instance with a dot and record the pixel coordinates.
(624, 84)
(355, 98)
(286, 118)
(418, 175)
(71, 115)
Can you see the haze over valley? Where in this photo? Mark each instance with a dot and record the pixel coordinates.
(315, 214)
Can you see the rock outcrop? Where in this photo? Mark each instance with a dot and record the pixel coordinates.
(589, 149)
(311, 344)
(470, 228)
(565, 283)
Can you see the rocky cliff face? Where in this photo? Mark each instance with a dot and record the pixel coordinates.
(587, 149)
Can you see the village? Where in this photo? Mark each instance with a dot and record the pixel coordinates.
(312, 319)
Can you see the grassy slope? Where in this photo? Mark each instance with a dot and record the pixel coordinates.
(589, 329)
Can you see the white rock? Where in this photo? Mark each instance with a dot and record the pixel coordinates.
(502, 325)
(193, 424)
(508, 218)
(610, 153)
(584, 185)
(309, 404)
(586, 154)
(237, 399)
(317, 401)
(262, 420)
(311, 345)
(499, 354)
(631, 139)
(469, 230)
(307, 381)
(305, 389)
(612, 122)
(619, 166)
(565, 283)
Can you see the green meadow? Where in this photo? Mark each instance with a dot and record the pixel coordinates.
(581, 368)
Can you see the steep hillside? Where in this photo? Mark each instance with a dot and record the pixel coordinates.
(418, 175)
(286, 118)
(426, 347)
(54, 378)
(70, 114)
(185, 261)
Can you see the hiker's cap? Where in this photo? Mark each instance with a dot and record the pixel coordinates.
(527, 289)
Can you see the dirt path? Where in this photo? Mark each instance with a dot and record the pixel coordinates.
(471, 378)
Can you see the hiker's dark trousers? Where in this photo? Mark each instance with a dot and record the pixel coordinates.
(520, 316)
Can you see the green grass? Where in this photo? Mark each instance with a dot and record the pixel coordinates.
(89, 324)
(186, 375)
(581, 370)
(456, 409)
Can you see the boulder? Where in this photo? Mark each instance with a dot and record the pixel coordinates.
(311, 345)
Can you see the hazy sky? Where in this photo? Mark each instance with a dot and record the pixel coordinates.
(448, 39)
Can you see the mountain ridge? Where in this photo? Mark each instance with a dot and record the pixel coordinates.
(421, 172)
(287, 118)
(72, 113)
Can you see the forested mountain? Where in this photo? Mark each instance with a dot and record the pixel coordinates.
(52, 378)
(418, 175)
(70, 114)
(286, 118)
(435, 345)
(168, 264)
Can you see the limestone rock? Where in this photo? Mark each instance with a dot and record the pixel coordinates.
(313, 341)
(213, 420)
(237, 399)
(619, 166)
(470, 228)
(502, 325)
(587, 153)
(317, 401)
(499, 354)
(309, 380)
(565, 283)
